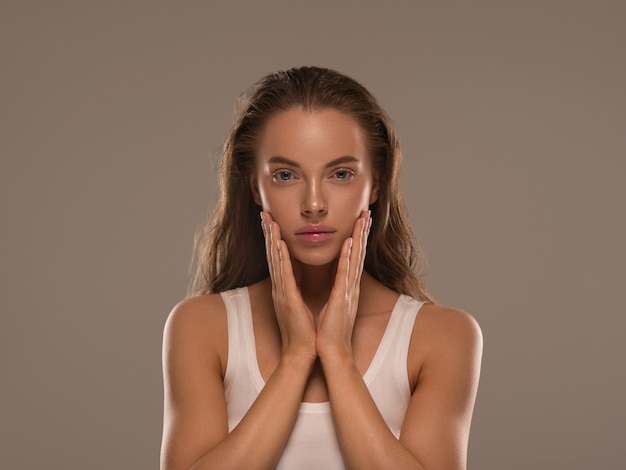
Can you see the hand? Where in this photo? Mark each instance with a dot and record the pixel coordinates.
(336, 320)
(295, 320)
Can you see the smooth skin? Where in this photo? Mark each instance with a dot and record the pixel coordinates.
(317, 322)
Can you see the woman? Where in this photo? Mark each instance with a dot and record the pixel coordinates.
(303, 347)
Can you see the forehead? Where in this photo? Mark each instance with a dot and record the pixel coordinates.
(308, 135)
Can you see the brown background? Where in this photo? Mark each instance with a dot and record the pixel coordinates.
(513, 121)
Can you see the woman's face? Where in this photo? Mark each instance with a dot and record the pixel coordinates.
(313, 174)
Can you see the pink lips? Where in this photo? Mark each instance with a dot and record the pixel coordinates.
(315, 233)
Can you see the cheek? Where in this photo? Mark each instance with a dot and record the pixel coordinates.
(265, 196)
(276, 205)
(358, 200)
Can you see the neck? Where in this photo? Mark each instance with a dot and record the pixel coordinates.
(315, 283)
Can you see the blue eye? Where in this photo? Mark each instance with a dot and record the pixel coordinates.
(343, 174)
(282, 175)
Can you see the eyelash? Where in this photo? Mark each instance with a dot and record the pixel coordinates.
(277, 175)
(348, 174)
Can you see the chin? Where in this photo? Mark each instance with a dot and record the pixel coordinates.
(318, 263)
(315, 257)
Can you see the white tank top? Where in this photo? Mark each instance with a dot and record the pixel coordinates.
(313, 441)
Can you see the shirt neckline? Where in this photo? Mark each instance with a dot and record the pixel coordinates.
(370, 372)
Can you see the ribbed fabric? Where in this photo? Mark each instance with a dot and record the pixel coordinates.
(313, 442)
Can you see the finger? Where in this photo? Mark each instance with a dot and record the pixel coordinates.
(342, 277)
(357, 250)
(268, 244)
(282, 274)
(362, 251)
(285, 277)
(289, 284)
(367, 224)
(276, 258)
(271, 251)
(366, 234)
(358, 258)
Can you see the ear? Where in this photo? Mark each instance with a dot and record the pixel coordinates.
(375, 190)
(254, 188)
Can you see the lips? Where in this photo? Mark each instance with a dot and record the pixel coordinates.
(315, 233)
(315, 228)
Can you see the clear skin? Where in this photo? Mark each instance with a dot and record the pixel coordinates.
(317, 321)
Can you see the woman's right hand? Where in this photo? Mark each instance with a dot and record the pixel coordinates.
(295, 320)
(196, 432)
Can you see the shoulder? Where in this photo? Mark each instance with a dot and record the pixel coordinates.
(197, 326)
(195, 348)
(444, 336)
(442, 324)
(193, 312)
(445, 356)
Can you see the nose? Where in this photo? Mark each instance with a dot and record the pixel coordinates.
(313, 201)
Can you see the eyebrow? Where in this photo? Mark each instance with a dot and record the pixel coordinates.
(336, 161)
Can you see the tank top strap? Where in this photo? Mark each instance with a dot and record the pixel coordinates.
(408, 309)
(397, 335)
(387, 377)
(241, 343)
(403, 319)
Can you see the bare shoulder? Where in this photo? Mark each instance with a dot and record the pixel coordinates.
(195, 348)
(201, 313)
(447, 324)
(444, 338)
(199, 323)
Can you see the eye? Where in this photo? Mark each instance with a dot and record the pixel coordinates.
(343, 174)
(282, 175)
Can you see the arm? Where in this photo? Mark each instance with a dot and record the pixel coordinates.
(435, 431)
(195, 434)
(195, 431)
(436, 427)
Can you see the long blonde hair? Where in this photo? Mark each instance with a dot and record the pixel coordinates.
(230, 249)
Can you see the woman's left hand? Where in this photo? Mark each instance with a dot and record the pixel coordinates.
(336, 319)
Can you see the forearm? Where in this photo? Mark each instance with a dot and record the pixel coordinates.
(259, 438)
(365, 438)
